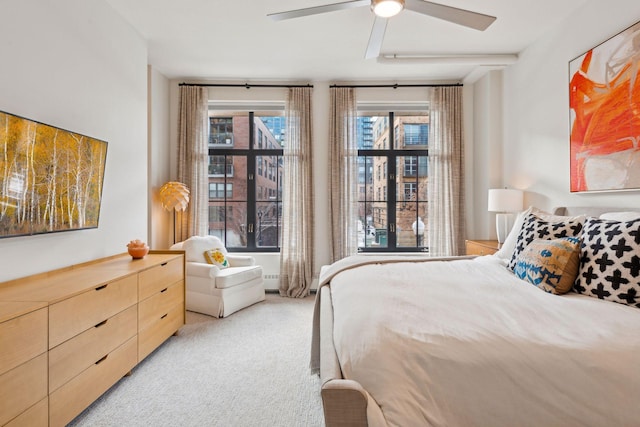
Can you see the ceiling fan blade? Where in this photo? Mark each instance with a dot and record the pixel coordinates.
(297, 13)
(463, 17)
(376, 38)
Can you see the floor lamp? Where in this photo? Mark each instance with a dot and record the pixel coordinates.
(174, 196)
(504, 202)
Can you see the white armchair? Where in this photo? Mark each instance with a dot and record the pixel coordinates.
(217, 291)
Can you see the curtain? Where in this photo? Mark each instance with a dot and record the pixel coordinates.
(343, 173)
(446, 172)
(193, 121)
(296, 256)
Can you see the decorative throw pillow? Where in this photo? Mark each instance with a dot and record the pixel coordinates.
(216, 257)
(551, 265)
(535, 228)
(610, 261)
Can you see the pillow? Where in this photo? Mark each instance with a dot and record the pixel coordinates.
(535, 228)
(610, 261)
(506, 250)
(195, 246)
(620, 216)
(216, 257)
(551, 265)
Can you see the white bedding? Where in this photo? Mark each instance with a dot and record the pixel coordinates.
(466, 343)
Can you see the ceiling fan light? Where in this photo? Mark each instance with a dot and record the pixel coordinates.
(387, 8)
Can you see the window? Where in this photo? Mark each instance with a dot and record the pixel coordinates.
(393, 201)
(416, 134)
(217, 190)
(220, 166)
(220, 131)
(245, 179)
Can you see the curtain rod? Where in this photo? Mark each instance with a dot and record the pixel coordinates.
(395, 86)
(246, 85)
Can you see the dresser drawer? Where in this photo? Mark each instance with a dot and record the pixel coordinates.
(159, 277)
(36, 416)
(22, 339)
(80, 352)
(165, 326)
(22, 387)
(481, 247)
(154, 307)
(72, 398)
(74, 315)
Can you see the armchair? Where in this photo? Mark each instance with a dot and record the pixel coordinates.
(219, 291)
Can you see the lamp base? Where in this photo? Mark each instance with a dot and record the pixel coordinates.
(503, 226)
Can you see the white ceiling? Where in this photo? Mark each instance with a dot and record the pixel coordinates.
(234, 39)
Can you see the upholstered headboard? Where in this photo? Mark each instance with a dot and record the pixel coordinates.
(594, 211)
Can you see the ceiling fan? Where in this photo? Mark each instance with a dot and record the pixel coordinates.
(385, 9)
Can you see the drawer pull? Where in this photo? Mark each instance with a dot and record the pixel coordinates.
(102, 359)
(162, 317)
(99, 288)
(104, 322)
(164, 290)
(164, 263)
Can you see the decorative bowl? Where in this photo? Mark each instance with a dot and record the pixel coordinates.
(137, 249)
(138, 253)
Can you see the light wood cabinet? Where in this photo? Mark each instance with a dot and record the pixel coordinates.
(69, 335)
(482, 247)
(23, 360)
(161, 306)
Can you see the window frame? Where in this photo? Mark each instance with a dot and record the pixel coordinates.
(390, 155)
(256, 150)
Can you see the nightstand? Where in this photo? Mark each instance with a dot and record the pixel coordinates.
(481, 247)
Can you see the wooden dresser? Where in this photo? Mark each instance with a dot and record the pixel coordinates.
(72, 333)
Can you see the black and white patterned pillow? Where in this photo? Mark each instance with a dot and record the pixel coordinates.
(610, 261)
(535, 228)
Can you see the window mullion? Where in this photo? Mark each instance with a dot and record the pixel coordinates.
(251, 187)
(391, 187)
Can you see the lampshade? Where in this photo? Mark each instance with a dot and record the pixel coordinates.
(505, 200)
(174, 196)
(387, 8)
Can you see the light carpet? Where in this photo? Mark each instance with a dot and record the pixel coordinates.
(249, 369)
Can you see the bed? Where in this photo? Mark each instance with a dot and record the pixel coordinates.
(463, 341)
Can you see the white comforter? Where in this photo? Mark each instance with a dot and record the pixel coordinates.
(466, 343)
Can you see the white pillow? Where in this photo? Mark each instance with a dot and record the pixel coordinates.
(620, 216)
(195, 246)
(509, 245)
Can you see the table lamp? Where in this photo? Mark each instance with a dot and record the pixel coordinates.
(504, 202)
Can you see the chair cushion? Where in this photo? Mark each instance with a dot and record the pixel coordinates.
(234, 276)
(195, 246)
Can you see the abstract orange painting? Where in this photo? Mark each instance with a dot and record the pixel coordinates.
(604, 101)
(50, 178)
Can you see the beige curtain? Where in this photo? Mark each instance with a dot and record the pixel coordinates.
(193, 131)
(446, 172)
(343, 173)
(296, 255)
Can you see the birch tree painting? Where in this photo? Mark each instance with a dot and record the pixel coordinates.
(50, 179)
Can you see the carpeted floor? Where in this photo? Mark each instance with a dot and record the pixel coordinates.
(250, 369)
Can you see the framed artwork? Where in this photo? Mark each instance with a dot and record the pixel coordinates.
(50, 178)
(604, 102)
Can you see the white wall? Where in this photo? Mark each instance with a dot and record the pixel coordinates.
(77, 65)
(160, 220)
(536, 107)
